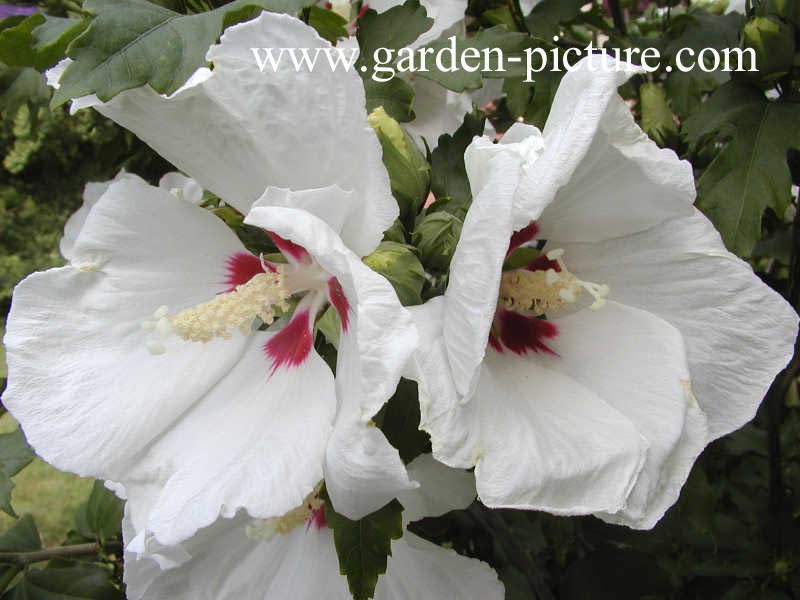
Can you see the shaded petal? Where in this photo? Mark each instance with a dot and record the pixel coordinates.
(636, 362)
(419, 569)
(441, 489)
(600, 176)
(475, 270)
(438, 111)
(225, 564)
(82, 383)
(237, 130)
(363, 471)
(255, 441)
(549, 443)
(738, 332)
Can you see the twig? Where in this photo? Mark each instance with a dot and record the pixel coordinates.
(618, 16)
(26, 558)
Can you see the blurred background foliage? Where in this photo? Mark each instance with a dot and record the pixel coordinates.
(734, 534)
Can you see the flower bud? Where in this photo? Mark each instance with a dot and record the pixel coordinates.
(400, 265)
(436, 236)
(409, 172)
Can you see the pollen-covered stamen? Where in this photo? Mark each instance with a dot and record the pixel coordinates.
(308, 513)
(235, 310)
(547, 291)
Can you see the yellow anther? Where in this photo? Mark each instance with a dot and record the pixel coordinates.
(235, 310)
(266, 529)
(541, 291)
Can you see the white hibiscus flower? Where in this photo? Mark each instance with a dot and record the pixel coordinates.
(587, 374)
(130, 363)
(294, 556)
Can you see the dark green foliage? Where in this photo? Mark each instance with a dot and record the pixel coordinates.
(364, 546)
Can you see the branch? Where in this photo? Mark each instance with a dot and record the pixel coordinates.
(618, 16)
(26, 558)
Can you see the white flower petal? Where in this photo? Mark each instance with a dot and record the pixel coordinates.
(255, 441)
(471, 296)
(738, 332)
(636, 362)
(182, 186)
(363, 471)
(226, 564)
(92, 192)
(82, 383)
(419, 569)
(600, 174)
(237, 130)
(438, 111)
(549, 443)
(441, 489)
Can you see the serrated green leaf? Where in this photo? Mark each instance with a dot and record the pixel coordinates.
(546, 15)
(511, 43)
(448, 173)
(101, 516)
(363, 546)
(399, 264)
(130, 43)
(38, 41)
(750, 172)
(329, 25)
(15, 454)
(79, 582)
(392, 29)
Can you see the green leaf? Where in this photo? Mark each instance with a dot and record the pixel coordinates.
(545, 17)
(22, 536)
(21, 85)
(364, 546)
(512, 44)
(130, 43)
(79, 582)
(409, 172)
(101, 516)
(436, 236)
(400, 265)
(38, 41)
(15, 454)
(750, 173)
(448, 173)
(329, 25)
(399, 422)
(393, 29)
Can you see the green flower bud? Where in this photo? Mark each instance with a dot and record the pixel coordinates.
(400, 265)
(774, 45)
(409, 172)
(657, 119)
(436, 236)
